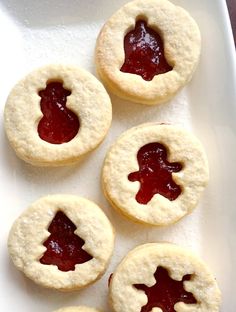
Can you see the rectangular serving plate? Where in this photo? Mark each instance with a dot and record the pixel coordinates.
(34, 33)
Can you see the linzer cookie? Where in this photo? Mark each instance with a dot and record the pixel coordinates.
(155, 173)
(56, 114)
(148, 50)
(62, 242)
(163, 277)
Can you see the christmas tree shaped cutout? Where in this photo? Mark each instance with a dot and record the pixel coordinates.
(64, 247)
(166, 292)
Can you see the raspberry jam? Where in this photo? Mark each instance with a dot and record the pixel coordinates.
(166, 292)
(58, 124)
(155, 174)
(64, 248)
(144, 52)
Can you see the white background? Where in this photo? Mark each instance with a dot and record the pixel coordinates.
(35, 33)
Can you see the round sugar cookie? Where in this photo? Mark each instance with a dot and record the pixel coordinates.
(62, 242)
(148, 50)
(155, 173)
(159, 277)
(56, 114)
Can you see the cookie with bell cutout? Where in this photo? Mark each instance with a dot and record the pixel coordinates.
(148, 51)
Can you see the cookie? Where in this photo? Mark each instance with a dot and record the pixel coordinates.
(56, 114)
(62, 242)
(155, 173)
(77, 309)
(147, 51)
(163, 277)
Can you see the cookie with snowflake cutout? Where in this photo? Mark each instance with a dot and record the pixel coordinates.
(163, 277)
(62, 241)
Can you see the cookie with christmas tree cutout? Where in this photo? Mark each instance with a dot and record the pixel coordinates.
(148, 50)
(56, 114)
(77, 309)
(155, 173)
(163, 277)
(62, 241)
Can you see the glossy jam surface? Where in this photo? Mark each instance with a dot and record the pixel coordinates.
(155, 174)
(144, 52)
(64, 248)
(58, 124)
(166, 292)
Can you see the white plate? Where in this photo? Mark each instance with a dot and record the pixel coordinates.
(37, 32)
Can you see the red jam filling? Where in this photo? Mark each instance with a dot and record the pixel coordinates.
(64, 248)
(166, 292)
(155, 174)
(144, 52)
(59, 124)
